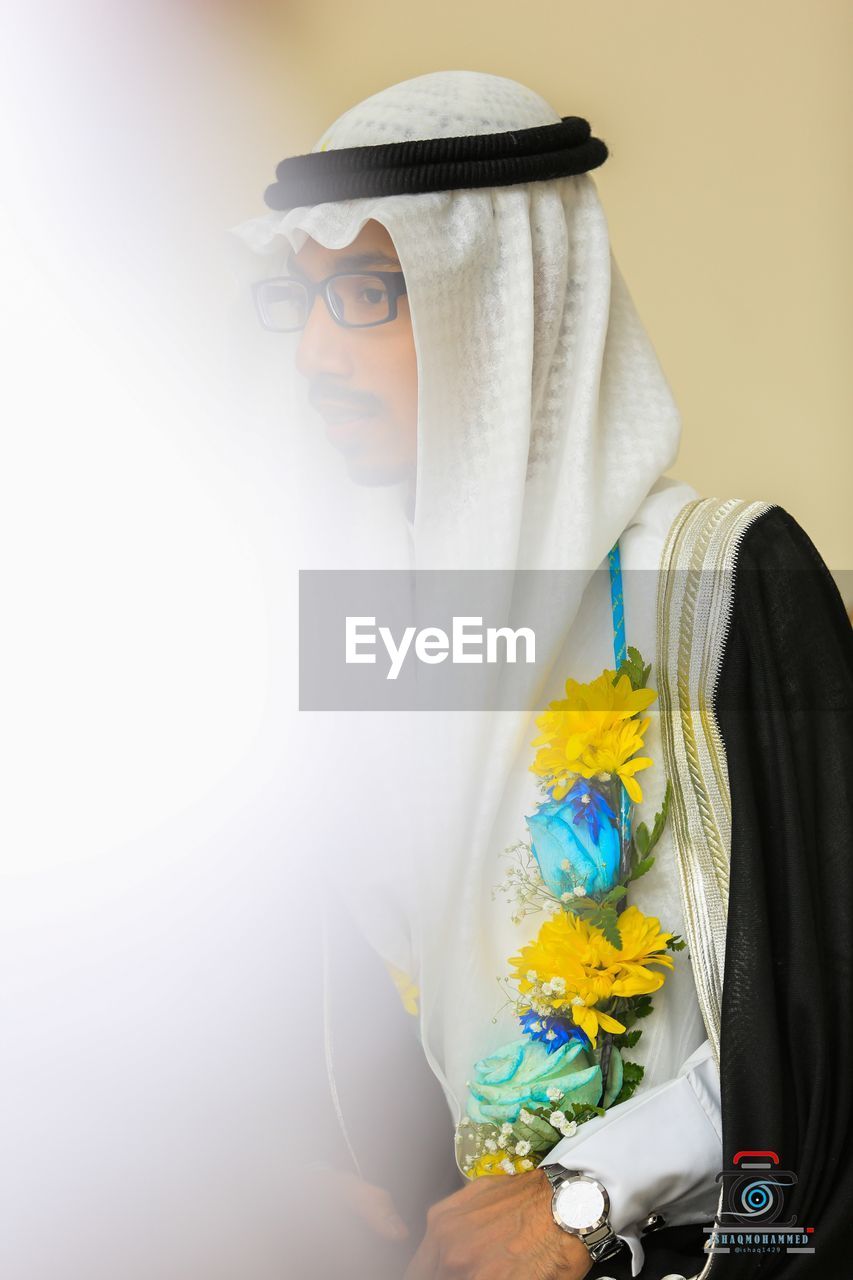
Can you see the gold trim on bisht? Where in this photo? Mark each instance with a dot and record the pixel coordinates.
(694, 611)
(694, 607)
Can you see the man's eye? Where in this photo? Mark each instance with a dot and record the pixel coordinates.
(371, 295)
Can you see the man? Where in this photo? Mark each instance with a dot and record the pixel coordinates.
(465, 334)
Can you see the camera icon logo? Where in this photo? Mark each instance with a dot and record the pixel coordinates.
(754, 1191)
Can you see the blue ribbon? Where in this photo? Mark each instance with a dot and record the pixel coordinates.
(620, 653)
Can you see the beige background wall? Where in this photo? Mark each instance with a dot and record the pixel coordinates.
(728, 191)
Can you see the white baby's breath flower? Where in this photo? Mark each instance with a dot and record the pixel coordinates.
(554, 1093)
(522, 1148)
(557, 1119)
(579, 891)
(566, 865)
(526, 1164)
(550, 1035)
(568, 1127)
(506, 1128)
(536, 1026)
(577, 1000)
(502, 1141)
(532, 975)
(491, 1145)
(507, 1166)
(558, 986)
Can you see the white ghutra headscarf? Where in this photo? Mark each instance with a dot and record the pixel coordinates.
(545, 424)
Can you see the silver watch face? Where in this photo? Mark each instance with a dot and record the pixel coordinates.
(580, 1204)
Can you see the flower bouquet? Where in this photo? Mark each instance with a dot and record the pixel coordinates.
(580, 986)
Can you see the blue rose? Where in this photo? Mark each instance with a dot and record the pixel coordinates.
(581, 829)
(520, 1073)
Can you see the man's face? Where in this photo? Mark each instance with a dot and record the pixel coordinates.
(363, 381)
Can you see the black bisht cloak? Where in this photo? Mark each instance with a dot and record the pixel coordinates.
(785, 708)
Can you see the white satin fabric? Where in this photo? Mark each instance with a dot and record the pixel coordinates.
(545, 426)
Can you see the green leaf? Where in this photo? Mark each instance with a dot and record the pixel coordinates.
(605, 919)
(676, 943)
(642, 1006)
(538, 1132)
(632, 1074)
(660, 817)
(641, 838)
(644, 865)
(581, 1111)
(637, 658)
(613, 895)
(628, 1039)
(635, 669)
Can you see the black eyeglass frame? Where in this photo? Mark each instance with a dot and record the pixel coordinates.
(393, 281)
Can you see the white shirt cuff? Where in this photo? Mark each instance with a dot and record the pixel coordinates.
(659, 1152)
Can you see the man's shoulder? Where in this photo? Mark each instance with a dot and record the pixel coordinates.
(786, 602)
(757, 534)
(779, 559)
(776, 540)
(740, 572)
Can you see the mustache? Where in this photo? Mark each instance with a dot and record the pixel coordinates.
(327, 389)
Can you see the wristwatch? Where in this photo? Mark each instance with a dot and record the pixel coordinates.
(580, 1206)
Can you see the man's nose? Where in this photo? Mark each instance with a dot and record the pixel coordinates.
(323, 346)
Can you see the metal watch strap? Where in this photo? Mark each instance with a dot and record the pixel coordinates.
(557, 1173)
(602, 1243)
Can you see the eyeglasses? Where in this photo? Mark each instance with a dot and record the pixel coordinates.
(355, 301)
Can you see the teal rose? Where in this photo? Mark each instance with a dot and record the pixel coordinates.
(520, 1073)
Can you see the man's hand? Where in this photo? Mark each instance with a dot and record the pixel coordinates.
(498, 1228)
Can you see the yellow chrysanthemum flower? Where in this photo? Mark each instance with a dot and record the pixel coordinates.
(492, 1163)
(614, 753)
(592, 731)
(578, 968)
